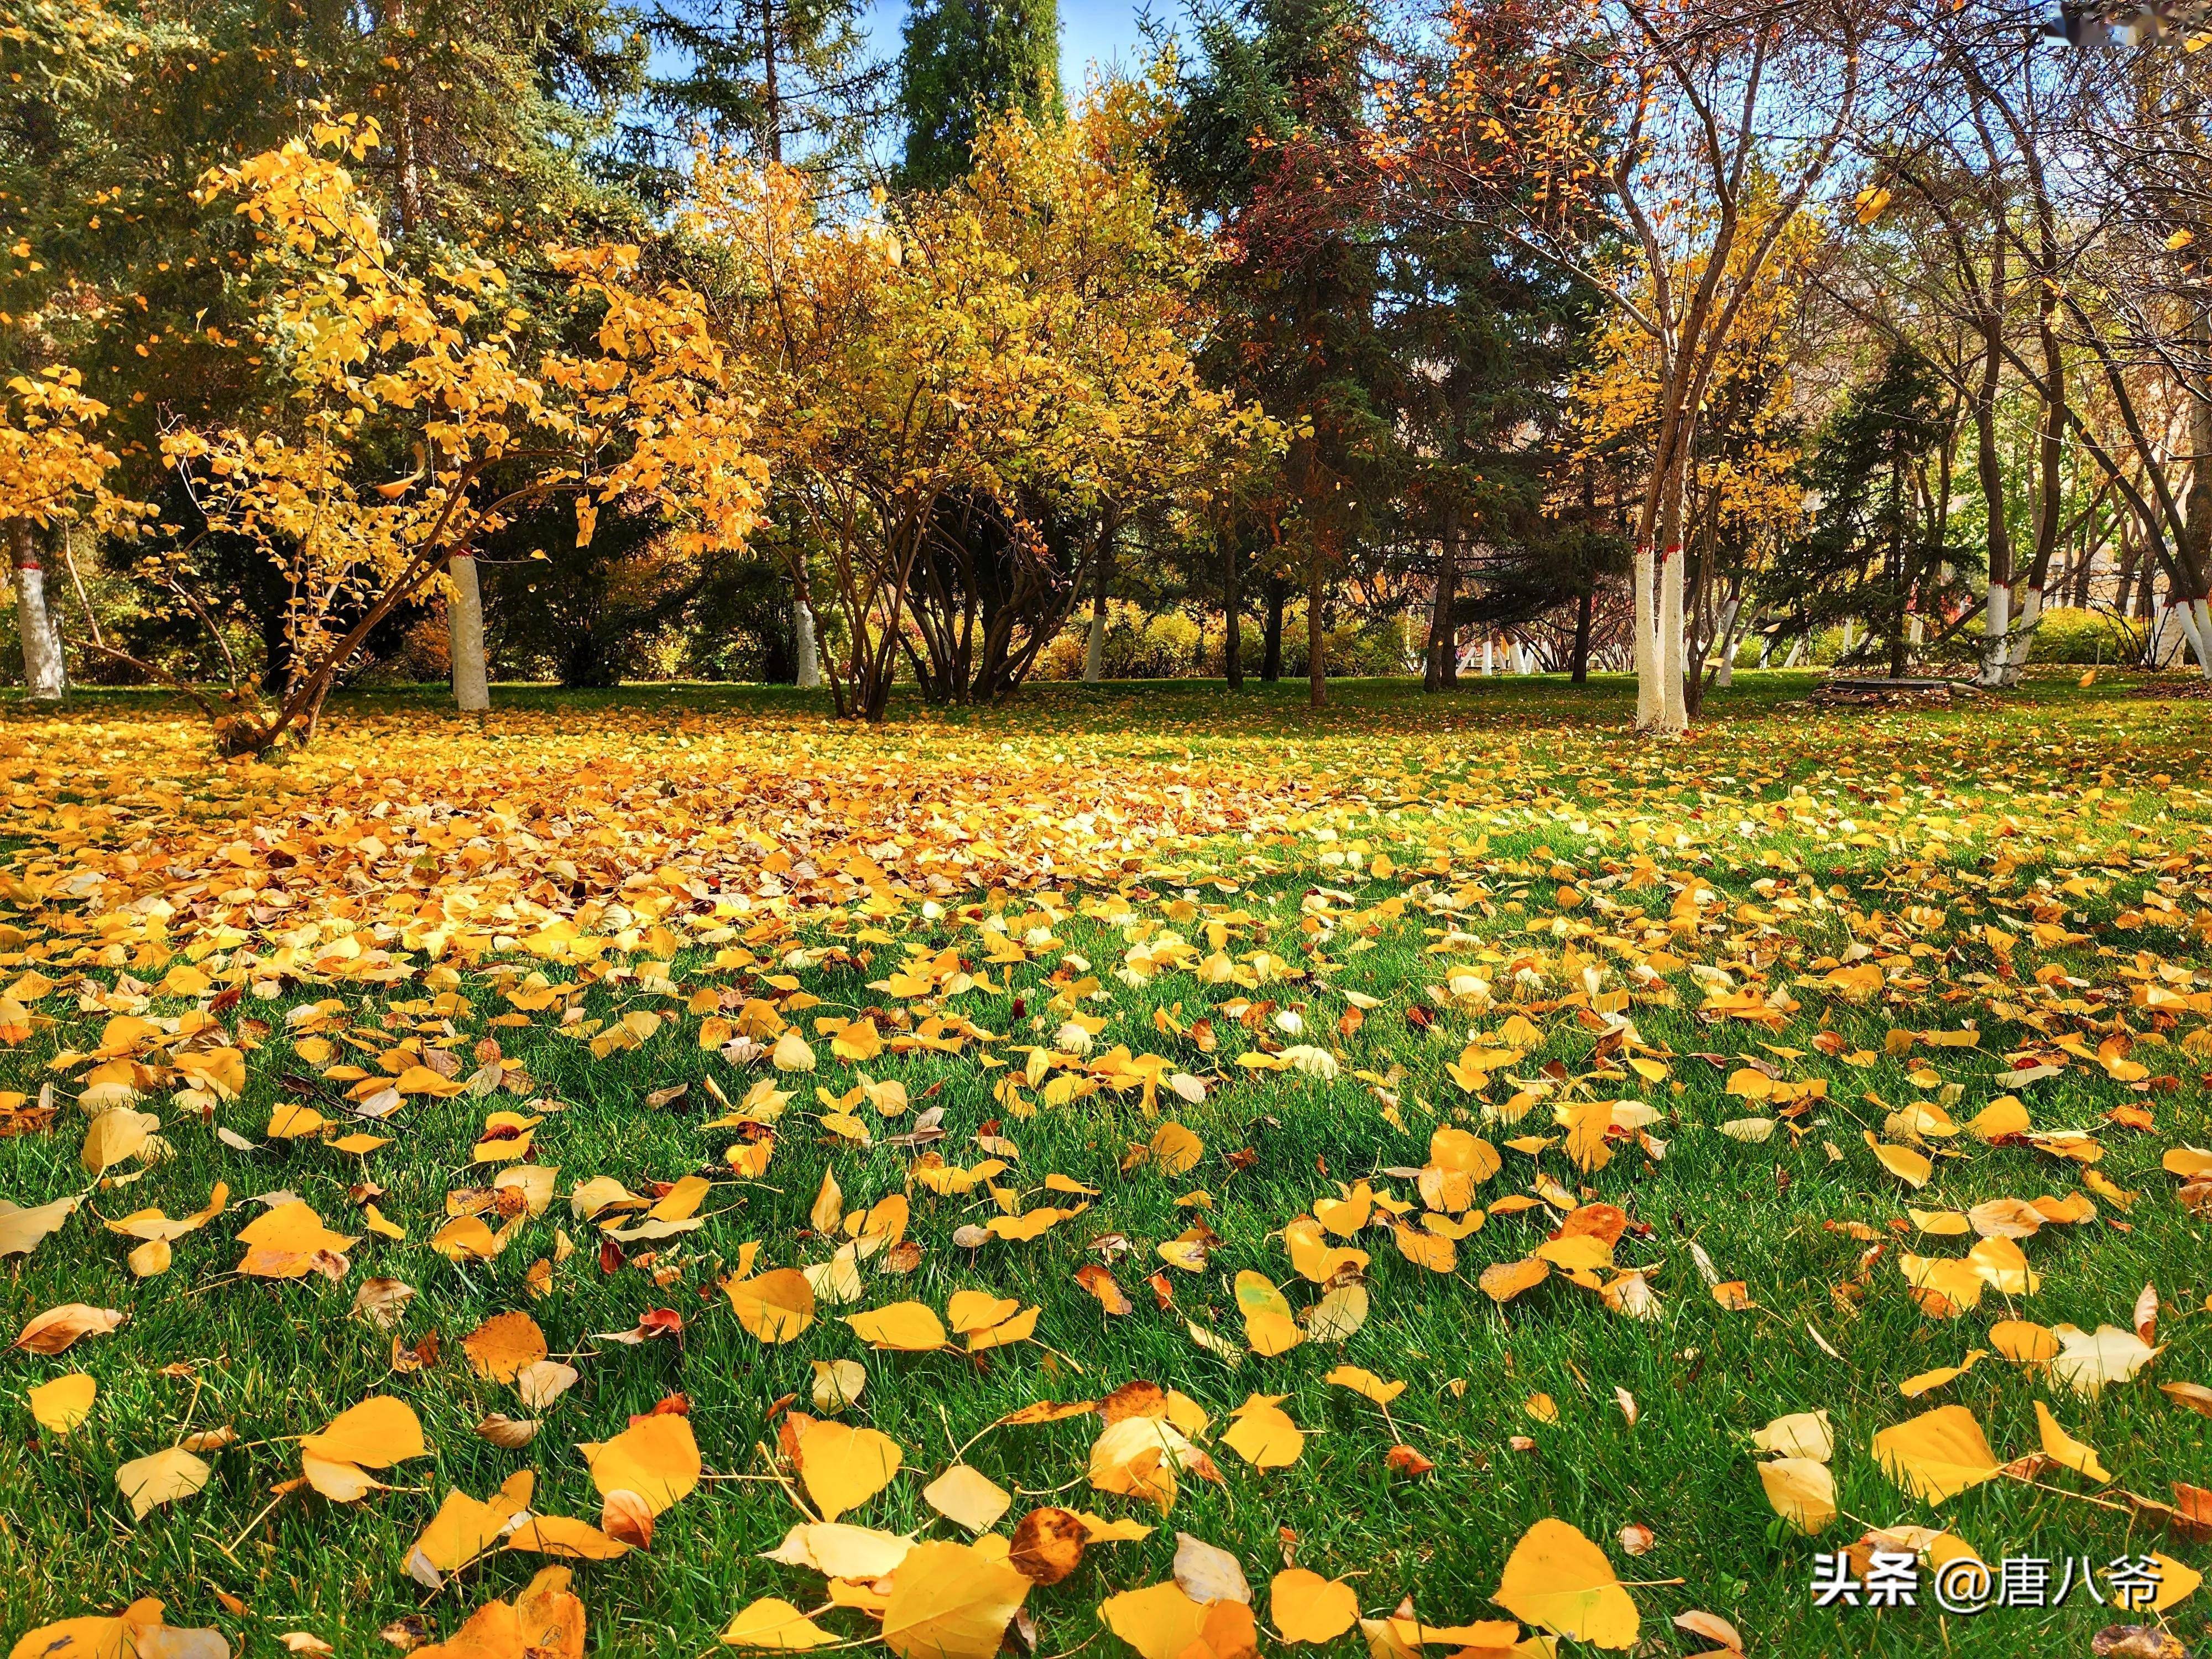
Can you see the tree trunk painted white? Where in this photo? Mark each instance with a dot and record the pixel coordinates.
(1996, 643)
(1489, 658)
(1726, 676)
(464, 635)
(2202, 610)
(1672, 653)
(2171, 655)
(804, 648)
(1796, 652)
(1850, 636)
(1643, 636)
(44, 675)
(2023, 634)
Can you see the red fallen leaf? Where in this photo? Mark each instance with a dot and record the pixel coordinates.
(674, 1405)
(610, 1256)
(1404, 1460)
(1419, 1017)
(1100, 1282)
(787, 1436)
(1243, 1158)
(1161, 1289)
(783, 1404)
(224, 1001)
(2192, 1505)
(1603, 1221)
(657, 1321)
(420, 1358)
(503, 1132)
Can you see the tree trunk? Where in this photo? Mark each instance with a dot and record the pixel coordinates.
(1670, 661)
(2199, 499)
(1996, 616)
(806, 650)
(1656, 588)
(1438, 673)
(409, 162)
(1644, 633)
(805, 636)
(1894, 565)
(1317, 641)
(44, 677)
(2126, 572)
(1583, 602)
(1233, 611)
(1271, 650)
(1724, 676)
(1094, 652)
(771, 99)
(464, 635)
(2051, 454)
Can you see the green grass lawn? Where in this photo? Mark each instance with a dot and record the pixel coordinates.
(1531, 838)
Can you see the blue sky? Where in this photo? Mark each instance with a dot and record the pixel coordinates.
(1102, 31)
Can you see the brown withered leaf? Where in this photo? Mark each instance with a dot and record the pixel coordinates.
(1047, 1545)
(509, 1433)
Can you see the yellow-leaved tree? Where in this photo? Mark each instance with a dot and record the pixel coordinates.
(1743, 495)
(963, 398)
(54, 473)
(412, 428)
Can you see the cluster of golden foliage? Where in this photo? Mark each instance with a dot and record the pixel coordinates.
(53, 467)
(1026, 336)
(415, 426)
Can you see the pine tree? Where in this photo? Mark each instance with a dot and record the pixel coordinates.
(1270, 147)
(776, 81)
(964, 61)
(1877, 545)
